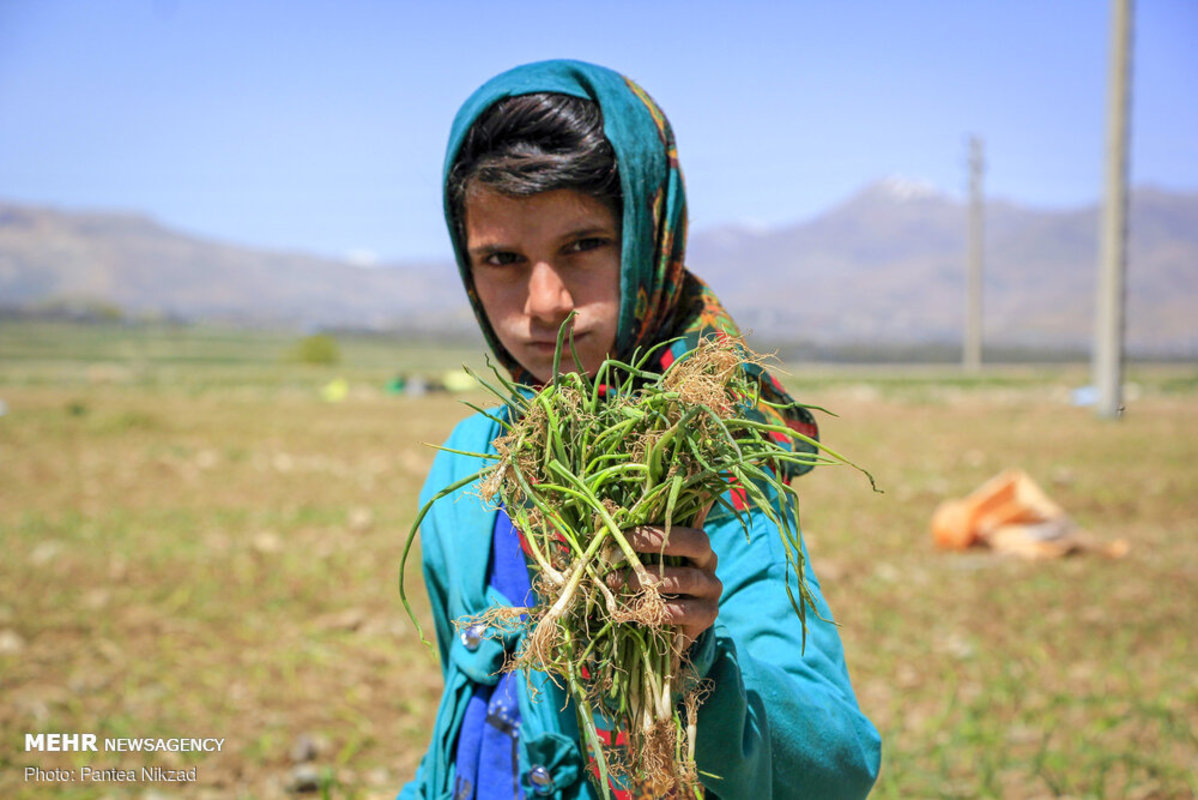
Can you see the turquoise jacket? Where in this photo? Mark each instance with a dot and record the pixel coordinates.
(781, 721)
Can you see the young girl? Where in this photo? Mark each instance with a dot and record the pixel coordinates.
(563, 194)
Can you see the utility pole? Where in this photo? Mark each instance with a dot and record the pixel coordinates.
(1109, 325)
(972, 352)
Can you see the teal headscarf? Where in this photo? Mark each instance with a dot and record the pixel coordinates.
(659, 299)
(654, 220)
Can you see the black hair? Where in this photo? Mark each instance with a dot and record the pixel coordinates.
(535, 143)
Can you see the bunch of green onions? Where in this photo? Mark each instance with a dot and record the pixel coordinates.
(586, 459)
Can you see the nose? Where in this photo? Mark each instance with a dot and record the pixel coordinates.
(549, 298)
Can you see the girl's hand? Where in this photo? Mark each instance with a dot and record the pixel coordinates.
(691, 591)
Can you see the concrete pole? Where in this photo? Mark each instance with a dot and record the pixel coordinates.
(1109, 320)
(972, 352)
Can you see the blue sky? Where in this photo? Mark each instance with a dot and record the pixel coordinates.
(320, 126)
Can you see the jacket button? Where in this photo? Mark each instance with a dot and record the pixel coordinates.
(472, 637)
(542, 781)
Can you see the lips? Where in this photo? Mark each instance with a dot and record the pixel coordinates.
(551, 344)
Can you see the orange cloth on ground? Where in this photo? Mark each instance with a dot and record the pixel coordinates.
(1012, 514)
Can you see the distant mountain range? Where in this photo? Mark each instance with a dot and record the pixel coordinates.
(51, 259)
(887, 266)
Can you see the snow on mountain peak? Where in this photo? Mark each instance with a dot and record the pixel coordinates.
(899, 187)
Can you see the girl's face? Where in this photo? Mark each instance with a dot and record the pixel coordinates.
(534, 260)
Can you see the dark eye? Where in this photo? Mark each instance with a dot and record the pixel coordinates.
(589, 243)
(501, 259)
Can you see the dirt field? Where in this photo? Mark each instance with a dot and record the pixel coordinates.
(197, 544)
